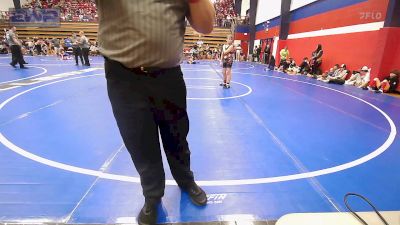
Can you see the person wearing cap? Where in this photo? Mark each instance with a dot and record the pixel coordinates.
(142, 43)
(339, 77)
(360, 79)
(365, 78)
(388, 85)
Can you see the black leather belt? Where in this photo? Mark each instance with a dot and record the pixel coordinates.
(144, 71)
(150, 70)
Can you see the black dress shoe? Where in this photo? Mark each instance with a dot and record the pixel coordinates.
(13, 65)
(197, 195)
(148, 214)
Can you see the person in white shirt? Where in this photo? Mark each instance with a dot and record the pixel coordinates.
(365, 77)
(238, 52)
(360, 79)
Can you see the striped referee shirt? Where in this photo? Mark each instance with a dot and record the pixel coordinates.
(146, 33)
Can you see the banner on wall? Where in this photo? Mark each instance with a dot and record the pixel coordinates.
(34, 17)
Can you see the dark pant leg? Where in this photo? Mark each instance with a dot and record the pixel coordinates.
(130, 96)
(17, 55)
(85, 52)
(21, 60)
(174, 125)
(75, 52)
(14, 59)
(78, 53)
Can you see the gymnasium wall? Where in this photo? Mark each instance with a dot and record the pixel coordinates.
(245, 7)
(350, 31)
(6, 4)
(300, 3)
(268, 9)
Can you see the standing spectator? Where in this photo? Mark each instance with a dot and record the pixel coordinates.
(84, 45)
(147, 91)
(316, 60)
(238, 52)
(267, 53)
(271, 65)
(15, 46)
(284, 53)
(258, 52)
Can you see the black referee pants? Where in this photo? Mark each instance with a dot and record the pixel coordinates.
(77, 53)
(16, 55)
(85, 53)
(145, 106)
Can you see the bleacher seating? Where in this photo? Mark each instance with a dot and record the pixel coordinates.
(217, 37)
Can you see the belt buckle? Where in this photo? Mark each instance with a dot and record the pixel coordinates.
(143, 70)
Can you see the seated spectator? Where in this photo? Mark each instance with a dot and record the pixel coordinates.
(94, 50)
(388, 85)
(224, 10)
(292, 67)
(3, 48)
(284, 65)
(195, 52)
(70, 10)
(191, 60)
(45, 48)
(331, 73)
(305, 67)
(361, 79)
(339, 77)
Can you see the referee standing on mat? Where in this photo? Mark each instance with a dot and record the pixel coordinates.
(142, 42)
(77, 51)
(15, 46)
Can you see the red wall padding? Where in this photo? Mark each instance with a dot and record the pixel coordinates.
(388, 48)
(355, 50)
(241, 36)
(272, 32)
(347, 16)
(245, 47)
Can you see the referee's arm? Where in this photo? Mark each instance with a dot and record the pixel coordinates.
(201, 15)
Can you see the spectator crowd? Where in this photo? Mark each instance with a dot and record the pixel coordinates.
(70, 10)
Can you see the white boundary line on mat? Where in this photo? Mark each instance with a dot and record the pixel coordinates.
(330, 170)
(25, 78)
